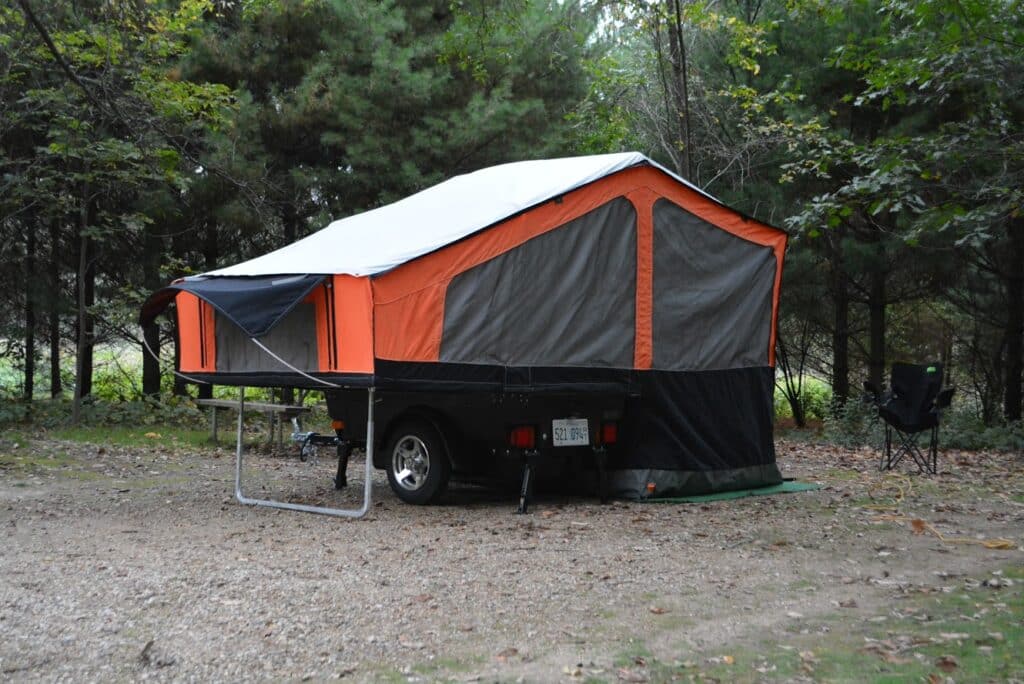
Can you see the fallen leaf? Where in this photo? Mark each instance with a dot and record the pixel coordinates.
(895, 659)
(728, 659)
(947, 663)
(658, 610)
(918, 526)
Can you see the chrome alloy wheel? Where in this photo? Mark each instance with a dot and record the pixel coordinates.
(410, 462)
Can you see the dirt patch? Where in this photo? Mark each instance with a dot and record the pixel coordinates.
(124, 563)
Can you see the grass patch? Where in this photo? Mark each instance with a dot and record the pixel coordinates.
(135, 436)
(446, 668)
(975, 633)
(843, 475)
(28, 461)
(22, 460)
(635, 652)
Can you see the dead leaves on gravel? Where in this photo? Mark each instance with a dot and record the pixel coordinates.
(983, 482)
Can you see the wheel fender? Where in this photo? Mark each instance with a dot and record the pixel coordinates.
(436, 419)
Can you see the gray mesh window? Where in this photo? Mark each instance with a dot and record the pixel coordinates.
(564, 298)
(712, 294)
(293, 339)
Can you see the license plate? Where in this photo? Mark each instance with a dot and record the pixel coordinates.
(570, 432)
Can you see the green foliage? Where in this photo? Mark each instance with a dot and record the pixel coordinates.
(54, 414)
(855, 423)
(963, 429)
(602, 122)
(816, 396)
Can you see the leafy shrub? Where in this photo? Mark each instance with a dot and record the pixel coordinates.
(856, 423)
(12, 411)
(48, 414)
(816, 396)
(965, 430)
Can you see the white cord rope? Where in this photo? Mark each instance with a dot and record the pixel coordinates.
(180, 375)
(291, 367)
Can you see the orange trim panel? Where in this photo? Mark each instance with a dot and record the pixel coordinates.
(197, 340)
(643, 200)
(323, 307)
(353, 323)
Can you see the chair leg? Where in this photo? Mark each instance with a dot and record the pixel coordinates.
(885, 463)
(933, 451)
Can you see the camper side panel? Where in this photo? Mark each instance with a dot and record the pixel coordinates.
(564, 298)
(712, 295)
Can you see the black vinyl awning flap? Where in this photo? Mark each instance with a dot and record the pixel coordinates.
(254, 304)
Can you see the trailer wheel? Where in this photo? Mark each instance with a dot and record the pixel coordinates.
(418, 467)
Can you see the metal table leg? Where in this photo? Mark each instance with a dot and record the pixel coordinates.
(323, 510)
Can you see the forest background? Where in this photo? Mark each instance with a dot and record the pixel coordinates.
(141, 140)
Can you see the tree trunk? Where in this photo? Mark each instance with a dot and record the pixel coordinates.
(792, 387)
(876, 327)
(840, 331)
(151, 366)
(682, 103)
(56, 384)
(90, 299)
(30, 310)
(1014, 323)
(290, 221)
(152, 249)
(82, 343)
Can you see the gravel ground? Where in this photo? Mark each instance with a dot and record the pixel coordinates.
(135, 563)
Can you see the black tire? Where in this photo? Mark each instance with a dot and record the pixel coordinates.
(417, 449)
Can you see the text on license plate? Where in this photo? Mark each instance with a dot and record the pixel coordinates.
(570, 432)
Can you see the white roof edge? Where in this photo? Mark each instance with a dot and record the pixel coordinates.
(380, 239)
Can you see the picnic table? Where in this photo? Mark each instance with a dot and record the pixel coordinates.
(276, 415)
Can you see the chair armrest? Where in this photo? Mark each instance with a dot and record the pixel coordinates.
(872, 395)
(944, 398)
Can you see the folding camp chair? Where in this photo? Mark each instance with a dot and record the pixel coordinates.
(910, 409)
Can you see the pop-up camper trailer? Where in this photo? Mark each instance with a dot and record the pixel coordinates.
(599, 307)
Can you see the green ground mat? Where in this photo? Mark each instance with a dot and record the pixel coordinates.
(784, 488)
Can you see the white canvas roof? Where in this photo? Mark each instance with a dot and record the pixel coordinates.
(381, 239)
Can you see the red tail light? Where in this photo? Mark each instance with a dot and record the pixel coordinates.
(522, 437)
(609, 433)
